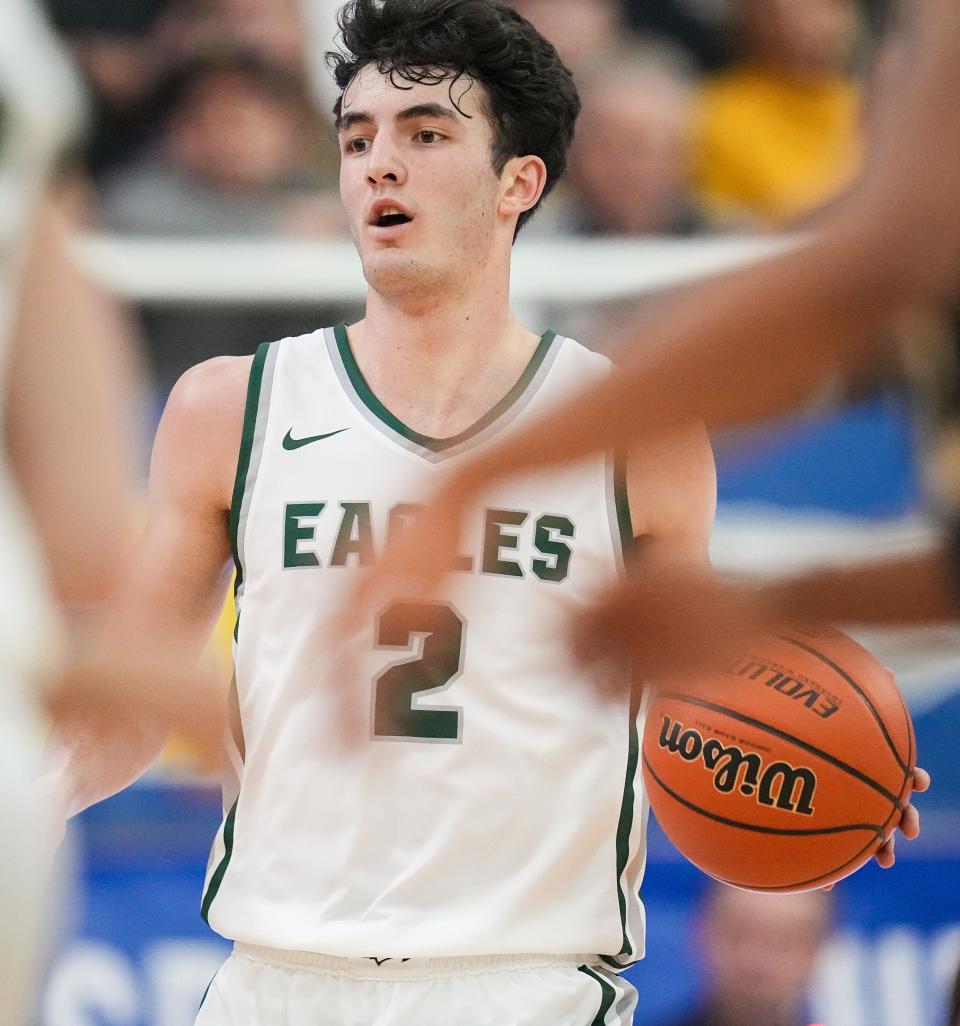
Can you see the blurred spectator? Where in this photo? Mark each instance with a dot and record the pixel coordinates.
(240, 154)
(631, 165)
(699, 26)
(112, 44)
(586, 33)
(759, 951)
(274, 30)
(778, 131)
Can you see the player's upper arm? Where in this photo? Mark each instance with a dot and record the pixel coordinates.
(672, 486)
(180, 568)
(198, 440)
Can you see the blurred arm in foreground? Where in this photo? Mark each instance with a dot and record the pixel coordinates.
(114, 693)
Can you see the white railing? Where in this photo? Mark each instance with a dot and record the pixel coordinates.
(564, 272)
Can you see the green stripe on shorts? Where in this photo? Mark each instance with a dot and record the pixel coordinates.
(608, 996)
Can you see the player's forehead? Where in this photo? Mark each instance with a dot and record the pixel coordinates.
(382, 97)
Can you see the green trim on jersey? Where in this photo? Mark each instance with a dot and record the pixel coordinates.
(607, 998)
(250, 409)
(625, 955)
(373, 404)
(622, 499)
(246, 447)
(221, 870)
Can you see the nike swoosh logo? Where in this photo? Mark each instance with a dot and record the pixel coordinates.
(290, 443)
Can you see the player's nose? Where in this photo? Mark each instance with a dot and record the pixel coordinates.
(385, 164)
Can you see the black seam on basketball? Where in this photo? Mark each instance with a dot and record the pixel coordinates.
(903, 790)
(784, 736)
(802, 883)
(907, 787)
(780, 831)
(911, 753)
(887, 822)
(856, 687)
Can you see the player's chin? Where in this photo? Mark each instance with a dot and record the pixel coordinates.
(398, 273)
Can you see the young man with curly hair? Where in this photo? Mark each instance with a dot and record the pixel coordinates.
(476, 857)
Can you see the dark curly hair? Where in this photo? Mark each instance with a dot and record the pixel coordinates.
(529, 94)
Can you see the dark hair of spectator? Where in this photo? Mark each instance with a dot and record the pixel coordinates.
(266, 77)
(529, 94)
(118, 18)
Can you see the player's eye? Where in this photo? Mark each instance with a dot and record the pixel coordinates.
(356, 145)
(428, 136)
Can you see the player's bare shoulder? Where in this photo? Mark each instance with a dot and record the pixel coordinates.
(214, 388)
(198, 439)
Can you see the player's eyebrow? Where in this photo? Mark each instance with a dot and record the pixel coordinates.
(419, 110)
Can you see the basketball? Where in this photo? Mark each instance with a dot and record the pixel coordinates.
(786, 771)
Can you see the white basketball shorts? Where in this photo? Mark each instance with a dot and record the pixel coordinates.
(266, 987)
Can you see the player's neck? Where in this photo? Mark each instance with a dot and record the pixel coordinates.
(440, 366)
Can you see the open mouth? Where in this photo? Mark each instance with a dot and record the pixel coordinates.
(392, 220)
(388, 215)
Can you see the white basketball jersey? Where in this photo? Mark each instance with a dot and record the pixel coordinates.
(497, 806)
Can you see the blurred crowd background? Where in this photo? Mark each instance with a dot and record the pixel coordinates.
(210, 120)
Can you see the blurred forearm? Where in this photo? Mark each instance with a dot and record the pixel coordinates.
(68, 432)
(913, 589)
(91, 757)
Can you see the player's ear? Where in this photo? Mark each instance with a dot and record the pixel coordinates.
(521, 185)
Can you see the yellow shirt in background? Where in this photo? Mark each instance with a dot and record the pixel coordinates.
(775, 146)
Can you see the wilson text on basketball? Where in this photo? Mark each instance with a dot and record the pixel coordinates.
(776, 784)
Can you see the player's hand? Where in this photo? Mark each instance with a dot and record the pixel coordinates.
(909, 823)
(670, 618)
(412, 566)
(127, 684)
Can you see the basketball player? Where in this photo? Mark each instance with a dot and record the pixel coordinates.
(746, 345)
(65, 498)
(477, 859)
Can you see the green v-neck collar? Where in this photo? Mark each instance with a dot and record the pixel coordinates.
(436, 448)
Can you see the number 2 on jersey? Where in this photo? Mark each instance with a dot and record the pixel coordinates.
(397, 716)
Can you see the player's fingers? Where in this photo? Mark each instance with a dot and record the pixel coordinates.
(886, 856)
(921, 780)
(910, 823)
